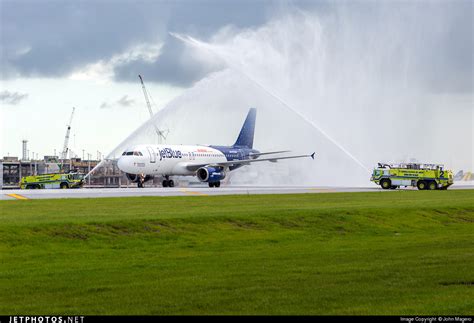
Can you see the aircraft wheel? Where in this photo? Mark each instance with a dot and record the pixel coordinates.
(393, 187)
(217, 184)
(165, 183)
(171, 183)
(211, 184)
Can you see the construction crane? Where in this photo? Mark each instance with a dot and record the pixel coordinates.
(161, 135)
(66, 139)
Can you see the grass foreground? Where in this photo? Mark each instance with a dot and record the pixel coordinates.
(378, 253)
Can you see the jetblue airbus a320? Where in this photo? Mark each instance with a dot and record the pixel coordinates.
(209, 163)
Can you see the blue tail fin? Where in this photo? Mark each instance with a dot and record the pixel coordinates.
(246, 133)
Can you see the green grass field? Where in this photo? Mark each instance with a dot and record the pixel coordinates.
(398, 253)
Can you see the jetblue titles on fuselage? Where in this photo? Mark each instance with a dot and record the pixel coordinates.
(170, 153)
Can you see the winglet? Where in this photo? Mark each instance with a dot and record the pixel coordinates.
(312, 155)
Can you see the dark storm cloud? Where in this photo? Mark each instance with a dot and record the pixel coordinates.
(12, 98)
(53, 38)
(447, 62)
(175, 66)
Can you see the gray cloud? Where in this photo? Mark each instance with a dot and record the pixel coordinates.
(12, 98)
(176, 66)
(124, 102)
(54, 38)
(105, 105)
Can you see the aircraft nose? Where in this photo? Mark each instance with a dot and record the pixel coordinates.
(120, 164)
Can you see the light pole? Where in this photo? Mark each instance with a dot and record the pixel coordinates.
(89, 167)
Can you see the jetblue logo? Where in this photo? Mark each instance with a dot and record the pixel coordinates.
(170, 153)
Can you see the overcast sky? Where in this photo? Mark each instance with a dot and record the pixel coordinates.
(87, 54)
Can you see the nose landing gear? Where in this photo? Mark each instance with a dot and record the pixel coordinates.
(141, 180)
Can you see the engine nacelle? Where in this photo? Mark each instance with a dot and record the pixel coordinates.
(210, 174)
(135, 177)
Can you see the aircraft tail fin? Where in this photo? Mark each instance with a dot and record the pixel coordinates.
(246, 133)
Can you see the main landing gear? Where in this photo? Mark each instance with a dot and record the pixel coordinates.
(167, 182)
(215, 184)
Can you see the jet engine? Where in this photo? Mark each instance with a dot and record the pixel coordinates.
(210, 174)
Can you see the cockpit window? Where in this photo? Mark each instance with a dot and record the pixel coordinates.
(132, 153)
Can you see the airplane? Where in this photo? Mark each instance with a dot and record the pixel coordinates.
(210, 164)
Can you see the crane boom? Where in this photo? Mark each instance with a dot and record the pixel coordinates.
(146, 96)
(66, 139)
(160, 134)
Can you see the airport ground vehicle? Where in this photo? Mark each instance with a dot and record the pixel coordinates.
(423, 176)
(70, 180)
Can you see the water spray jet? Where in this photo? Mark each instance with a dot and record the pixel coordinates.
(201, 45)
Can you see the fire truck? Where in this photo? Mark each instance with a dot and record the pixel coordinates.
(422, 176)
(70, 180)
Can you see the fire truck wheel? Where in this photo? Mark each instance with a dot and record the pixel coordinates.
(432, 185)
(63, 185)
(421, 185)
(386, 183)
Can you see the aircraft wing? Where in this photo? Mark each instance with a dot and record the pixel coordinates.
(193, 167)
(268, 153)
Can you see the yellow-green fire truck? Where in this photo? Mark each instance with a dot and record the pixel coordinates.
(70, 180)
(422, 176)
